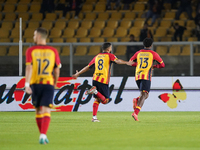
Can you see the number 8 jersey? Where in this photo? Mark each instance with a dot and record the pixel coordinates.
(145, 58)
(102, 63)
(44, 59)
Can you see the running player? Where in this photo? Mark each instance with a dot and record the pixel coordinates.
(144, 65)
(101, 76)
(42, 72)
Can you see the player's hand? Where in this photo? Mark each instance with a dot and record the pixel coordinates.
(130, 63)
(76, 74)
(28, 90)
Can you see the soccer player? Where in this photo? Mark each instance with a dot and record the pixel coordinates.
(42, 72)
(101, 76)
(144, 59)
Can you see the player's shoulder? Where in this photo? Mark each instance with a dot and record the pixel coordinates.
(148, 50)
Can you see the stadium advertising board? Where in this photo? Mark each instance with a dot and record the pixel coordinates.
(167, 94)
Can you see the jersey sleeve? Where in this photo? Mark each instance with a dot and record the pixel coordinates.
(112, 57)
(92, 62)
(28, 56)
(57, 60)
(157, 58)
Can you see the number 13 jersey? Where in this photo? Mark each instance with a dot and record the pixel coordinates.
(44, 59)
(102, 63)
(144, 59)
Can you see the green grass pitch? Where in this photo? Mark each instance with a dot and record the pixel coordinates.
(116, 131)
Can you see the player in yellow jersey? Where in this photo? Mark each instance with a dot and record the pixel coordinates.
(101, 76)
(144, 59)
(42, 72)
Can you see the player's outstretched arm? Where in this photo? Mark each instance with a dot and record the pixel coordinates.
(78, 73)
(122, 62)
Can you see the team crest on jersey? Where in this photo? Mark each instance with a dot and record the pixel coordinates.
(177, 95)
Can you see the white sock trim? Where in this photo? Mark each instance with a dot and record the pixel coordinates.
(95, 92)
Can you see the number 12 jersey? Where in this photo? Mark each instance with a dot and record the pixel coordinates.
(144, 59)
(102, 63)
(44, 59)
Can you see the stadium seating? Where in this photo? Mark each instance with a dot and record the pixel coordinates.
(120, 50)
(87, 8)
(85, 39)
(100, 8)
(36, 16)
(71, 40)
(22, 8)
(28, 32)
(99, 39)
(65, 51)
(116, 16)
(4, 33)
(90, 16)
(33, 24)
(161, 50)
(80, 51)
(60, 24)
(112, 24)
(9, 16)
(95, 32)
(73, 24)
(174, 50)
(24, 15)
(103, 16)
(186, 50)
(55, 33)
(68, 32)
(107, 32)
(4, 40)
(99, 24)
(94, 50)
(3, 50)
(135, 31)
(57, 40)
(13, 51)
(126, 24)
(129, 16)
(50, 17)
(47, 24)
(125, 39)
(139, 7)
(121, 32)
(9, 8)
(7, 25)
(35, 8)
(112, 39)
(81, 32)
(86, 24)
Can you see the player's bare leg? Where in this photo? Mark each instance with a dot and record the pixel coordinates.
(43, 120)
(143, 97)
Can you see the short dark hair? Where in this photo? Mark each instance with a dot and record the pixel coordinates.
(105, 46)
(42, 31)
(147, 42)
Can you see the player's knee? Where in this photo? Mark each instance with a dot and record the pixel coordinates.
(145, 94)
(105, 101)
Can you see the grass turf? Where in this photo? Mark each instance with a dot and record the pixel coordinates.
(116, 131)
